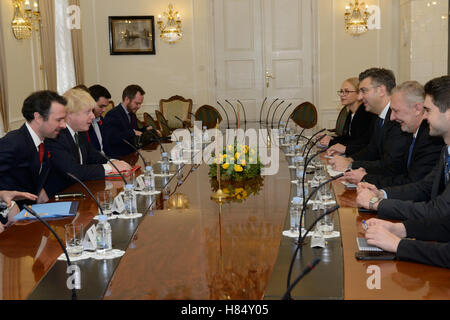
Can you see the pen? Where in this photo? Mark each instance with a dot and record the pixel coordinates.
(69, 195)
(365, 225)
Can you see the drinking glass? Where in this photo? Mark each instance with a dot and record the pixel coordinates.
(74, 239)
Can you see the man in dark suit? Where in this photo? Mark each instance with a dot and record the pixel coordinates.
(71, 152)
(24, 163)
(101, 96)
(425, 204)
(429, 197)
(121, 123)
(384, 154)
(407, 109)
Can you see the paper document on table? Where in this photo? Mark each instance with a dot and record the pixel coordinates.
(332, 172)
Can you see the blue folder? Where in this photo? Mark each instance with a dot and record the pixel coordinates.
(49, 211)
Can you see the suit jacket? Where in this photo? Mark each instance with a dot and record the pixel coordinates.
(117, 127)
(429, 197)
(20, 168)
(92, 136)
(356, 133)
(424, 156)
(432, 253)
(64, 158)
(385, 152)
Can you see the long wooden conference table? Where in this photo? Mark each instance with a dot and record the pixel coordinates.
(186, 246)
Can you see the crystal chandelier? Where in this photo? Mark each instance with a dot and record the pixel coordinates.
(356, 16)
(171, 31)
(24, 19)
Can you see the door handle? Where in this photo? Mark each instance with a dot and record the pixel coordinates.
(268, 76)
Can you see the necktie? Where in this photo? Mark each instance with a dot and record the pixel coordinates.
(380, 123)
(41, 152)
(77, 141)
(447, 166)
(132, 121)
(77, 144)
(413, 142)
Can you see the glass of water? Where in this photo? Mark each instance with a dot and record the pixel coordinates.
(105, 200)
(74, 239)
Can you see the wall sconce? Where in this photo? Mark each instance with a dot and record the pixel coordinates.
(25, 18)
(171, 31)
(356, 16)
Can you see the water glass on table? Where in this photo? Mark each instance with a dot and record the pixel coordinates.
(105, 200)
(74, 239)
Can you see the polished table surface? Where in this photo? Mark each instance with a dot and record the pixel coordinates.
(204, 251)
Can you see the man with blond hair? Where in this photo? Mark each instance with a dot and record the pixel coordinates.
(71, 152)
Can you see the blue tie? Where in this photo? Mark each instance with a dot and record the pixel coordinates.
(411, 150)
(380, 123)
(447, 166)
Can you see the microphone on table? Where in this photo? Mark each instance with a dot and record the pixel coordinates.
(69, 263)
(305, 167)
(312, 146)
(182, 122)
(299, 244)
(279, 121)
(268, 113)
(228, 120)
(310, 139)
(137, 150)
(260, 111)
(114, 166)
(312, 265)
(275, 111)
(158, 139)
(245, 115)
(195, 118)
(88, 191)
(235, 113)
(301, 136)
(270, 107)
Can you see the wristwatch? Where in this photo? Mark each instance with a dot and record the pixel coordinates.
(372, 202)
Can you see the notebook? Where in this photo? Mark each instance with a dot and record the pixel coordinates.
(364, 246)
(126, 174)
(49, 210)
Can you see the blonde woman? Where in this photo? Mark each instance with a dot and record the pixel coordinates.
(357, 129)
(71, 152)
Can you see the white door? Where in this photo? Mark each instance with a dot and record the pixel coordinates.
(263, 49)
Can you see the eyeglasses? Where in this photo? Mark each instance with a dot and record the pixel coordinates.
(344, 92)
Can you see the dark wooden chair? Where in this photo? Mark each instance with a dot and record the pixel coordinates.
(163, 124)
(208, 115)
(305, 115)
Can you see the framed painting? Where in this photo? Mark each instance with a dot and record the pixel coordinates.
(132, 35)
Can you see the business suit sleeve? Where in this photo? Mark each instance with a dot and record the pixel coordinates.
(392, 159)
(403, 210)
(425, 156)
(420, 190)
(63, 160)
(432, 253)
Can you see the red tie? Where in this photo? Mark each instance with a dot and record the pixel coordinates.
(41, 152)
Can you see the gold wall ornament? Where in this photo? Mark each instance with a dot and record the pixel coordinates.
(25, 18)
(171, 31)
(356, 16)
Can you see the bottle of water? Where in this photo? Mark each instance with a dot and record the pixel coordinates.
(165, 163)
(179, 154)
(295, 213)
(103, 234)
(149, 179)
(205, 136)
(129, 199)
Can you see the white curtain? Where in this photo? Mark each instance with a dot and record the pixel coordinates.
(65, 68)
